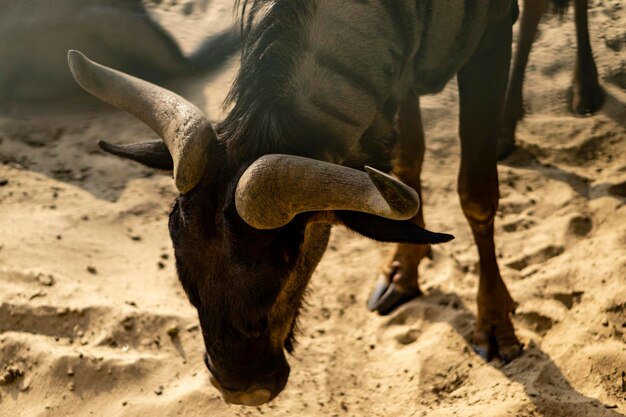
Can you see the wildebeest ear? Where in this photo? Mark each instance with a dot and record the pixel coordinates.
(153, 154)
(386, 230)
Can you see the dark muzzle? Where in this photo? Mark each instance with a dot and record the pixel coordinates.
(250, 391)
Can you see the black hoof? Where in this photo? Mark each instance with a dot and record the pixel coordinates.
(376, 294)
(588, 103)
(510, 352)
(506, 354)
(386, 297)
(483, 351)
(505, 148)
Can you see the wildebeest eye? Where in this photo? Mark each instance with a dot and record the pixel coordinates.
(232, 217)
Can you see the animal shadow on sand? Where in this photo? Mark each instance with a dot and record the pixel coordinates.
(614, 109)
(57, 138)
(543, 382)
(529, 156)
(543, 159)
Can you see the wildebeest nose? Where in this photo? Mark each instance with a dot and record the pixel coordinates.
(250, 398)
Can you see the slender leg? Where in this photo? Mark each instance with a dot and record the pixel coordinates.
(399, 278)
(482, 83)
(587, 95)
(514, 105)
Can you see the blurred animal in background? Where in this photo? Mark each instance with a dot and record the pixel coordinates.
(586, 94)
(326, 90)
(36, 35)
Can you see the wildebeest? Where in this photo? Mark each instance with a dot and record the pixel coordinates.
(586, 94)
(315, 101)
(36, 34)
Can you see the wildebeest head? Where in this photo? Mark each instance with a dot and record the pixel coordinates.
(247, 235)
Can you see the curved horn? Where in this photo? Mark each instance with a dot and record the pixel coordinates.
(183, 127)
(277, 187)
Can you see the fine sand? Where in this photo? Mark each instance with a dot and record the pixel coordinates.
(93, 321)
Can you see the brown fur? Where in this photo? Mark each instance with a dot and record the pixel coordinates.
(302, 75)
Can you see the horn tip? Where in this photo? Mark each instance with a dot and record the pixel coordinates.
(77, 61)
(103, 144)
(402, 197)
(75, 57)
(444, 238)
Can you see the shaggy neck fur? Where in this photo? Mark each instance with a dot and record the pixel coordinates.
(322, 78)
(261, 119)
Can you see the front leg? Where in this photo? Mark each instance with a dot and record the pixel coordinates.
(587, 95)
(398, 282)
(482, 83)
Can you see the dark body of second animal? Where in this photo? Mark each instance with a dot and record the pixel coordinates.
(36, 35)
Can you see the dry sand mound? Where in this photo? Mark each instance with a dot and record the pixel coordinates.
(94, 322)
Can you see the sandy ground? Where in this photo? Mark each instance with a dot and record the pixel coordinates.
(93, 321)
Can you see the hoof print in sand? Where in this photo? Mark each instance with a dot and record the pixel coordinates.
(580, 225)
(570, 299)
(536, 321)
(540, 256)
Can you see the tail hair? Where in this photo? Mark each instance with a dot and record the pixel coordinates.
(215, 50)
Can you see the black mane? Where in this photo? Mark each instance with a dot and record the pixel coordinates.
(261, 121)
